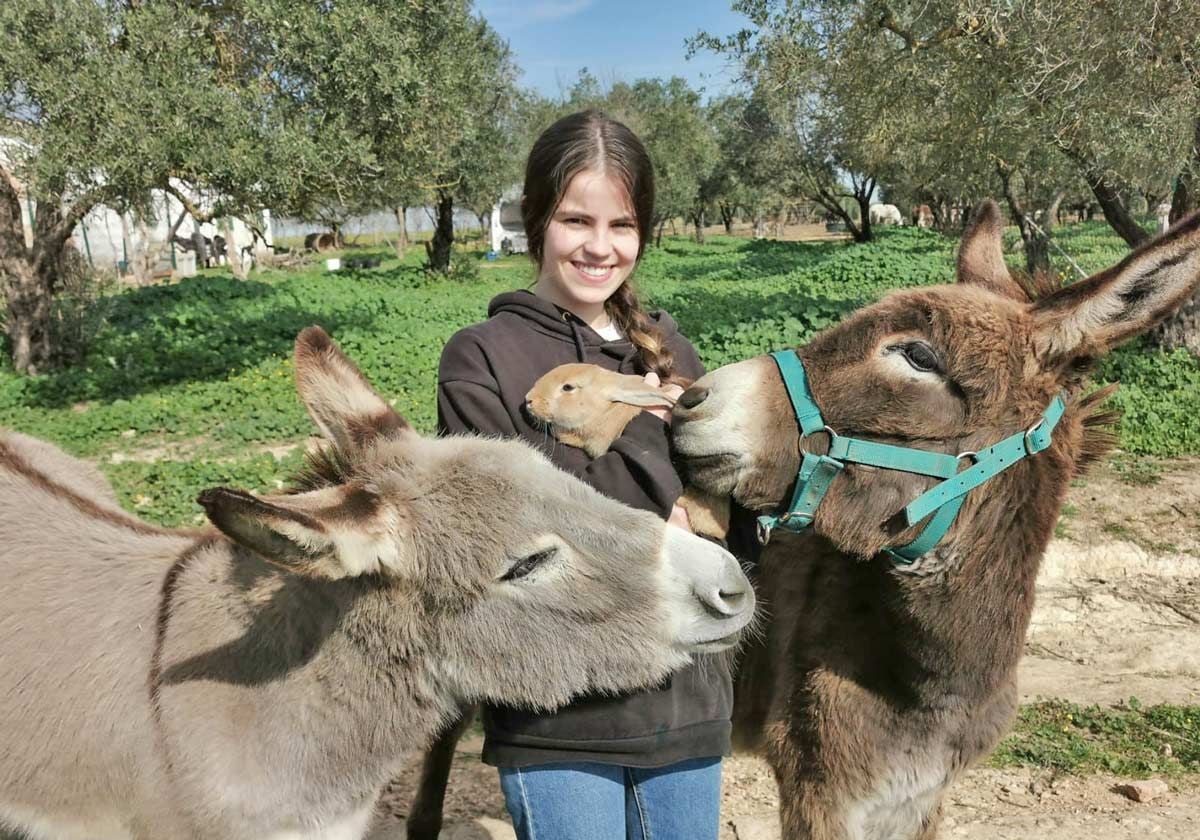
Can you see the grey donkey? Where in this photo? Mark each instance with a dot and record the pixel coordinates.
(267, 678)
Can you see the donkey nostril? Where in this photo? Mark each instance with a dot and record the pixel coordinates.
(723, 602)
(693, 396)
(734, 599)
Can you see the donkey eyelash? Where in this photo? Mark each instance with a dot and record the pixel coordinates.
(528, 564)
(919, 355)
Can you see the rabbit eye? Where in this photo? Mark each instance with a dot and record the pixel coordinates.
(568, 387)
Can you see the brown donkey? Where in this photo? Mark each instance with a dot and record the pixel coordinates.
(268, 678)
(878, 683)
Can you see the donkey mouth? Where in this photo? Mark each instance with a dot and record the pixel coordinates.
(716, 472)
(716, 645)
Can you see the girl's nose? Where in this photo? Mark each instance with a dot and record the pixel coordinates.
(598, 243)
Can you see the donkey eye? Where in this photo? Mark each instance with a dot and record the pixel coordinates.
(568, 387)
(921, 356)
(527, 564)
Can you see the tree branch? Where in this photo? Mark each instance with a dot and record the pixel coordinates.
(11, 179)
(914, 43)
(192, 210)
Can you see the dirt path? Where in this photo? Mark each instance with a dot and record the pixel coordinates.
(1117, 616)
(986, 805)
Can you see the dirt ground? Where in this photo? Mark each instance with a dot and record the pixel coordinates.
(1118, 615)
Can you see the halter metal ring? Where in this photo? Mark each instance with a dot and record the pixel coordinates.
(970, 453)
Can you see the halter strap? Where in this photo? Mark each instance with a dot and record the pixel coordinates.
(943, 501)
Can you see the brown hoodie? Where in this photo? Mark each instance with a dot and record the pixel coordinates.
(486, 370)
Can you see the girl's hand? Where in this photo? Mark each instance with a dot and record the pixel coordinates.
(663, 413)
(679, 518)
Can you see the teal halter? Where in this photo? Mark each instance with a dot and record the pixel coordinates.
(943, 500)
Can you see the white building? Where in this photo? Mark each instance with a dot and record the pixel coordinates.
(508, 232)
(111, 240)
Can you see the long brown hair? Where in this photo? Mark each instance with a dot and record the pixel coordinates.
(589, 140)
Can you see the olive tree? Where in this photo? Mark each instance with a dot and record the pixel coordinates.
(101, 103)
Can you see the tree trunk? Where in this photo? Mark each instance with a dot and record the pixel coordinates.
(1181, 330)
(439, 248)
(401, 231)
(1034, 237)
(1187, 185)
(659, 234)
(29, 299)
(28, 290)
(698, 221)
(863, 232)
(1054, 210)
(1115, 212)
(727, 217)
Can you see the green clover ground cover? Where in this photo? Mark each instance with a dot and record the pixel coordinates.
(1131, 741)
(199, 374)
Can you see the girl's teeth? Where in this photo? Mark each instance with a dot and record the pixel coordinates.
(595, 271)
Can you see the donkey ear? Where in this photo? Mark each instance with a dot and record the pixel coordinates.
(333, 532)
(1095, 315)
(981, 254)
(339, 399)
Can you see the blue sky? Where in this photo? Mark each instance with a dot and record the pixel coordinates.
(617, 40)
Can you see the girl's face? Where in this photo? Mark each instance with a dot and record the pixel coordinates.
(591, 246)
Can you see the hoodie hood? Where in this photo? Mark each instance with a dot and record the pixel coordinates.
(562, 324)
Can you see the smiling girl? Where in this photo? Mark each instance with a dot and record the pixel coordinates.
(636, 766)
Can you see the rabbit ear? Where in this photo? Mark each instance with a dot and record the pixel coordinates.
(646, 396)
(634, 390)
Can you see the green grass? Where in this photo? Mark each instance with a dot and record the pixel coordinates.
(1137, 471)
(208, 358)
(1129, 741)
(1060, 528)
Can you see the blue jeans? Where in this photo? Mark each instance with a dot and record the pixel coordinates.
(589, 801)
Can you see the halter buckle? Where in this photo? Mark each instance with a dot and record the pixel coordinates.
(1029, 445)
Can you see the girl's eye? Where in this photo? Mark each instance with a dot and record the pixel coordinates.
(526, 565)
(921, 356)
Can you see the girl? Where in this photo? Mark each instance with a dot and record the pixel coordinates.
(646, 765)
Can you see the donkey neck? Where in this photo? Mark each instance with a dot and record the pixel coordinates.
(971, 599)
(331, 673)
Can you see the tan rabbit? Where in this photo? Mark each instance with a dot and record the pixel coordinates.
(589, 407)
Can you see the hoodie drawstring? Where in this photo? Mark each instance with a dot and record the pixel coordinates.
(576, 335)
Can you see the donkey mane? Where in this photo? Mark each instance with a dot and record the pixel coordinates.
(1099, 421)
